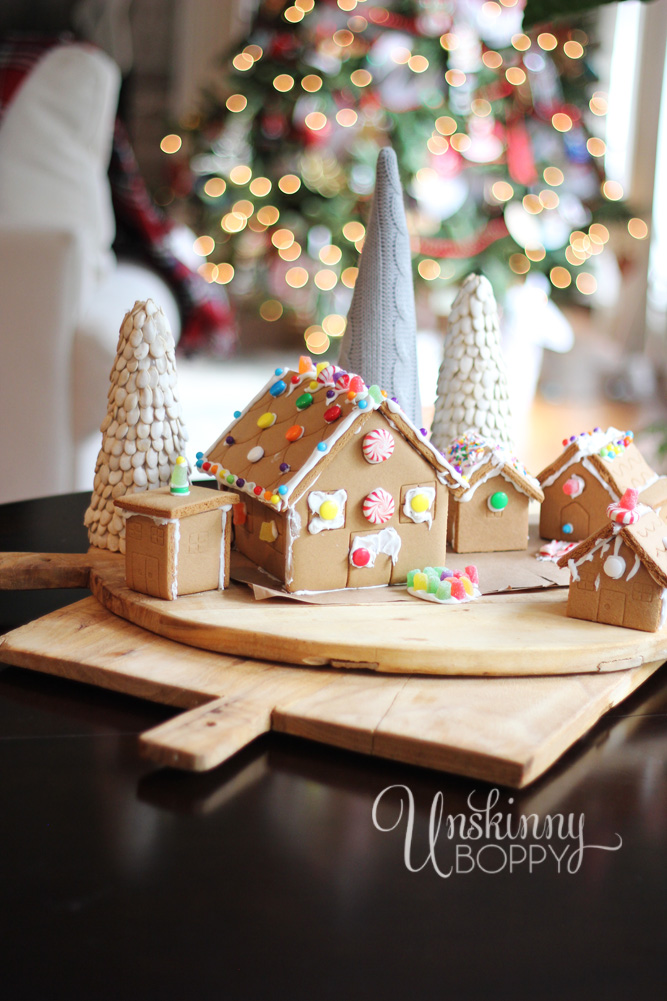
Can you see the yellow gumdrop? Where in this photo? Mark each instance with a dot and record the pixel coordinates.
(266, 420)
(420, 582)
(467, 586)
(419, 503)
(328, 510)
(321, 365)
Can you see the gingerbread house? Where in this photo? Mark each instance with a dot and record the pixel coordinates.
(177, 543)
(619, 574)
(488, 510)
(339, 488)
(594, 469)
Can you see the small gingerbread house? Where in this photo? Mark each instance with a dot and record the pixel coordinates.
(594, 470)
(177, 543)
(339, 488)
(488, 511)
(619, 574)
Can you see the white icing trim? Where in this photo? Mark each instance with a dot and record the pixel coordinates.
(315, 500)
(292, 534)
(597, 583)
(635, 568)
(572, 567)
(386, 541)
(418, 517)
(177, 547)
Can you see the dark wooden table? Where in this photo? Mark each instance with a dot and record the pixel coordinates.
(267, 877)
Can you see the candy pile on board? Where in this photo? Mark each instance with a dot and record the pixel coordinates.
(447, 587)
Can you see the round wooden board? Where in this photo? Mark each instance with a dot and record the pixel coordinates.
(518, 634)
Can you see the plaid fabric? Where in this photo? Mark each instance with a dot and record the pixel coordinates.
(207, 320)
(19, 54)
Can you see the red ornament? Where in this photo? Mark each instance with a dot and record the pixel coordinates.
(361, 557)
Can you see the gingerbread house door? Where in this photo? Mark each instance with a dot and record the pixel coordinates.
(367, 567)
(611, 607)
(575, 515)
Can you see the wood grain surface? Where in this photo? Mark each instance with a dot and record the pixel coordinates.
(526, 633)
(501, 729)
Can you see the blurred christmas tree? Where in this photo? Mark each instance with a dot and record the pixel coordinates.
(493, 128)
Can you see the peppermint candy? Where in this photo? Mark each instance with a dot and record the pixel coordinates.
(378, 445)
(622, 515)
(378, 506)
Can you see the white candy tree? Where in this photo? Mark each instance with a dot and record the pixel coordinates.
(143, 433)
(472, 383)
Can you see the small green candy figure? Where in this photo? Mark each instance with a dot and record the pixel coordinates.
(179, 483)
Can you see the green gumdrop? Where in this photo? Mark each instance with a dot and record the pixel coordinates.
(411, 577)
(433, 584)
(376, 393)
(444, 590)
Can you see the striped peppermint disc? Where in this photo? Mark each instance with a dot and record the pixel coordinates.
(622, 515)
(378, 507)
(378, 445)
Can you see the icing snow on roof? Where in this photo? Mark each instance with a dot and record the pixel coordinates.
(471, 454)
(607, 444)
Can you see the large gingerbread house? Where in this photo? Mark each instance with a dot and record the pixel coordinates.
(619, 574)
(594, 470)
(339, 488)
(488, 510)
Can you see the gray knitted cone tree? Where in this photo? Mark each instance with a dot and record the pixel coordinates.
(142, 433)
(380, 342)
(472, 383)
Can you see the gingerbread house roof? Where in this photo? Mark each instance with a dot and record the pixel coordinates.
(476, 459)
(613, 458)
(647, 539)
(275, 448)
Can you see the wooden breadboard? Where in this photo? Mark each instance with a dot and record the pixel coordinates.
(520, 634)
(503, 730)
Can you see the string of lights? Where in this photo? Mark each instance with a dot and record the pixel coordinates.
(499, 135)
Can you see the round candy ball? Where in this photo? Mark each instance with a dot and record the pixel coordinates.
(361, 557)
(328, 510)
(420, 503)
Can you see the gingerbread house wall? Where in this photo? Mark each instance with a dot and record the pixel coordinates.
(586, 513)
(252, 519)
(634, 603)
(186, 553)
(321, 561)
(474, 528)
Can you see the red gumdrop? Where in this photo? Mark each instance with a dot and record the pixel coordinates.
(357, 383)
(473, 575)
(458, 590)
(361, 557)
(457, 573)
(629, 499)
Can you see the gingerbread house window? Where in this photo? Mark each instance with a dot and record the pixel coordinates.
(586, 585)
(326, 510)
(643, 592)
(157, 535)
(198, 542)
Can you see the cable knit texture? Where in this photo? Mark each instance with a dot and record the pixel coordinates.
(380, 342)
(472, 383)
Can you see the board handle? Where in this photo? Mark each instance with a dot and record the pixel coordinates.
(208, 735)
(24, 571)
